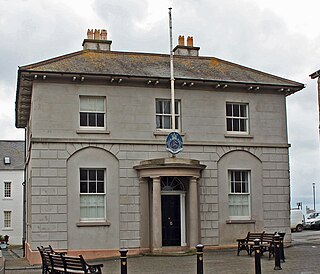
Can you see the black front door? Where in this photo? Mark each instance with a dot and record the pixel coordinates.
(171, 220)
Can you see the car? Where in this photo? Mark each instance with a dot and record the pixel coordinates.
(313, 215)
(312, 222)
(296, 220)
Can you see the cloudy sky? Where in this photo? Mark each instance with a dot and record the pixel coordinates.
(281, 37)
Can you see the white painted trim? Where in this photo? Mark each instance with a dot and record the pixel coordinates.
(183, 218)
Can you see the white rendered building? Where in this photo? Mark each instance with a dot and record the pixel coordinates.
(11, 190)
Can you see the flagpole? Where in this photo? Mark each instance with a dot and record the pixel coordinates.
(173, 120)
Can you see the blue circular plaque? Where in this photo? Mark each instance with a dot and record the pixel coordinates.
(174, 143)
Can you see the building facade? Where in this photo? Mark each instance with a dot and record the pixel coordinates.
(99, 176)
(11, 190)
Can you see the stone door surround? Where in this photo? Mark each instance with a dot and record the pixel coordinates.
(153, 170)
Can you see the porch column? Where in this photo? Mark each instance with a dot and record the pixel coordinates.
(145, 213)
(193, 213)
(156, 233)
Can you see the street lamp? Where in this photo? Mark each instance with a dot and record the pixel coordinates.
(314, 196)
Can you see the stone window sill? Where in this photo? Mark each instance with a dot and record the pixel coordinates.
(94, 131)
(240, 221)
(248, 136)
(165, 132)
(90, 224)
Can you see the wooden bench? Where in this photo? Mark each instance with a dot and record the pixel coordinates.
(44, 253)
(67, 264)
(57, 263)
(248, 242)
(267, 243)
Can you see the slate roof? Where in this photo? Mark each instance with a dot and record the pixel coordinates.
(14, 150)
(135, 64)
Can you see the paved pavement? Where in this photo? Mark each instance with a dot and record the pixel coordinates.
(303, 257)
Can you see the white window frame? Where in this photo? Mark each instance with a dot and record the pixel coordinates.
(237, 118)
(7, 219)
(88, 194)
(243, 193)
(7, 189)
(93, 112)
(162, 114)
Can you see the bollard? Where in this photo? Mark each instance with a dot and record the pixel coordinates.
(123, 260)
(277, 265)
(199, 248)
(282, 257)
(257, 256)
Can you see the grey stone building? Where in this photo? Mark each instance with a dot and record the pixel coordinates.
(99, 177)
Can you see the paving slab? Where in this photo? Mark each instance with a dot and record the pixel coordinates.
(303, 257)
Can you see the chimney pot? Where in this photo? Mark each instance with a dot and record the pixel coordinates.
(103, 35)
(96, 34)
(181, 40)
(90, 34)
(190, 41)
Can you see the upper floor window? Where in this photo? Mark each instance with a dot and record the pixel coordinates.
(239, 194)
(7, 190)
(7, 219)
(237, 117)
(164, 116)
(92, 194)
(92, 111)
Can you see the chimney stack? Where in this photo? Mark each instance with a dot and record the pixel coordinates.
(188, 50)
(97, 40)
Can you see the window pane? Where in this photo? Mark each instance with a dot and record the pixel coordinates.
(167, 122)
(229, 110)
(100, 187)
(100, 119)
(235, 110)
(238, 187)
(84, 104)
(176, 107)
(235, 125)
(92, 119)
(92, 187)
(92, 175)
(159, 108)
(243, 110)
(159, 121)
(83, 119)
(92, 206)
(243, 125)
(177, 122)
(229, 124)
(99, 105)
(100, 174)
(83, 174)
(83, 187)
(167, 107)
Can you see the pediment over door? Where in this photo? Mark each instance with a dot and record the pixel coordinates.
(169, 167)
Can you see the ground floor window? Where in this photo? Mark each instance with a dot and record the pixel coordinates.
(92, 194)
(239, 195)
(7, 219)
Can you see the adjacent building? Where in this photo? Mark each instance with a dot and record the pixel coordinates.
(97, 172)
(11, 190)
